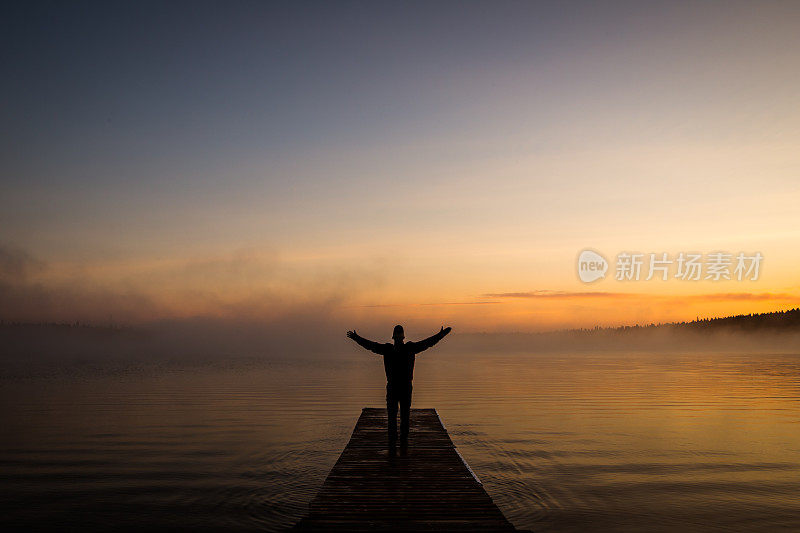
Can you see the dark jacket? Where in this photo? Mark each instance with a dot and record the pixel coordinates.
(398, 360)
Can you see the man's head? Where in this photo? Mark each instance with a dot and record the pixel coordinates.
(398, 335)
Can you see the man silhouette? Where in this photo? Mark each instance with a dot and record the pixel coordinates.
(398, 362)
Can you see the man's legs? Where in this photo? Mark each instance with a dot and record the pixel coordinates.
(405, 411)
(391, 411)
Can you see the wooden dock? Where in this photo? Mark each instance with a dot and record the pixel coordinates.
(425, 486)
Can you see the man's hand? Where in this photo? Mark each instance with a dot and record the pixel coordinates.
(353, 334)
(446, 330)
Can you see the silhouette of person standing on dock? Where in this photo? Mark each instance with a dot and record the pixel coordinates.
(398, 362)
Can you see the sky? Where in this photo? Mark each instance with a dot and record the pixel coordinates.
(373, 163)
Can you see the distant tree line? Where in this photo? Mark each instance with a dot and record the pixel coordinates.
(778, 320)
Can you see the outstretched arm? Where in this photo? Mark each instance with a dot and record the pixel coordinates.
(366, 343)
(430, 341)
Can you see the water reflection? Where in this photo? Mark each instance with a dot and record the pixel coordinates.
(622, 442)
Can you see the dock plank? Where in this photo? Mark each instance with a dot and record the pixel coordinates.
(425, 486)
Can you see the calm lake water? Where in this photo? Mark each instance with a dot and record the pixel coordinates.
(607, 442)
